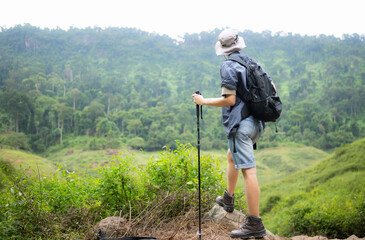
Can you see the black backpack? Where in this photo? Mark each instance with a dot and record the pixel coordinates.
(262, 100)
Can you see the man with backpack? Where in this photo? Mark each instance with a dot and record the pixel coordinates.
(243, 130)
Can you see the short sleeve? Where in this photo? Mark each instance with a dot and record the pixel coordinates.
(227, 91)
(229, 75)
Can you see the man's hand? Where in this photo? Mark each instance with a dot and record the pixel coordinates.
(198, 99)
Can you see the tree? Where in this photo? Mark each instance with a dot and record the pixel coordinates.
(17, 106)
(43, 105)
(89, 116)
(63, 112)
(74, 94)
(34, 81)
(56, 82)
(133, 125)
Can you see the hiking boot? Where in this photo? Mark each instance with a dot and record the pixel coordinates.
(227, 202)
(252, 228)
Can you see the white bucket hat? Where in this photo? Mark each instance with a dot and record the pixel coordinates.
(229, 42)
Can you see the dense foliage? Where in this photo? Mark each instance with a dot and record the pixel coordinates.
(127, 86)
(326, 199)
(65, 205)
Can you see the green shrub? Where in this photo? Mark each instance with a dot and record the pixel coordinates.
(174, 169)
(137, 143)
(338, 218)
(98, 143)
(65, 205)
(119, 188)
(14, 140)
(39, 206)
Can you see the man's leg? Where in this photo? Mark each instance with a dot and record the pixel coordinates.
(253, 226)
(227, 200)
(252, 191)
(232, 174)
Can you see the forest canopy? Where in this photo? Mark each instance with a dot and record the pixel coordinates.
(123, 86)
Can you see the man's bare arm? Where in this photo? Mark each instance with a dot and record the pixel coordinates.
(227, 100)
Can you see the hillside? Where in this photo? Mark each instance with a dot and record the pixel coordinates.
(158, 195)
(273, 163)
(125, 86)
(26, 160)
(284, 160)
(327, 198)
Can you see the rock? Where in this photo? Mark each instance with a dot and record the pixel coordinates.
(304, 237)
(233, 220)
(112, 227)
(353, 237)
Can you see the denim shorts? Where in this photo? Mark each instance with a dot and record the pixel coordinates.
(248, 133)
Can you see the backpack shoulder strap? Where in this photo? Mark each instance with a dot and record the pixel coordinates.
(239, 60)
(244, 64)
(246, 95)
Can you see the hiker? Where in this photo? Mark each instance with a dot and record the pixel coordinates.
(242, 129)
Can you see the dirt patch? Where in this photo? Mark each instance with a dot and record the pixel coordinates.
(69, 152)
(112, 152)
(17, 161)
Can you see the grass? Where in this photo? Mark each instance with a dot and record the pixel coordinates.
(272, 163)
(25, 159)
(279, 162)
(330, 190)
(294, 179)
(74, 159)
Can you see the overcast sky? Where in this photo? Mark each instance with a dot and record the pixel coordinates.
(177, 17)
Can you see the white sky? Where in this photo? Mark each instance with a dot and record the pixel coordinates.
(177, 17)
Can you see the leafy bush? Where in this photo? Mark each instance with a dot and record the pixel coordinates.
(98, 143)
(119, 189)
(14, 140)
(35, 205)
(174, 169)
(338, 218)
(65, 205)
(136, 143)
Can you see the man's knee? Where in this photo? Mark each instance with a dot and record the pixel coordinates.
(249, 172)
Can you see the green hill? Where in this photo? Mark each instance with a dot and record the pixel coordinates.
(281, 161)
(26, 159)
(327, 198)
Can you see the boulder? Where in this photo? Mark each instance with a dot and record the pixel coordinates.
(233, 220)
(112, 227)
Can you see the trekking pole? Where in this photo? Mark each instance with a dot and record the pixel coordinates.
(199, 111)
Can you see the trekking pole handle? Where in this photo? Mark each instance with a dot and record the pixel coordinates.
(201, 107)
